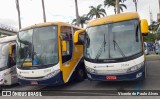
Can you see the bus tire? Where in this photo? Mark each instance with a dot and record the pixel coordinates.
(80, 73)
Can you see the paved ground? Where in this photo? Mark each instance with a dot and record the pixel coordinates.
(151, 83)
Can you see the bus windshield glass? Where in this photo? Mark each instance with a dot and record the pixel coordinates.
(113, 41)
(38, 46)
(4, 52)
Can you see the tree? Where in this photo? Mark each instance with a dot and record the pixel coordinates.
(44, 14)
(77, 13)
(150, 37)
(96, 11)
(83, 20)
(19, 15)
(135, 2)
(113, 4)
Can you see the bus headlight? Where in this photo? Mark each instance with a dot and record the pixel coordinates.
(20, 76)
(136, 67)
(1, 81)
(52, 74)
(91, 70)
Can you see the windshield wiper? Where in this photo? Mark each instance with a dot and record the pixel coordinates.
(120, 50)
(103, 45)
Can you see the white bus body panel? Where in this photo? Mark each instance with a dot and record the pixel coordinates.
(114, 68)
(38, 72)
(9, 76)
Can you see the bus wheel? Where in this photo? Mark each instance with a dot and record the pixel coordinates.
(80, 74)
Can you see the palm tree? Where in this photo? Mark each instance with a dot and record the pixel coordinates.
(19, 15)
(113, 4)
(96, 11)
(83, 20)
(44, 14)
(135, 2)
(77, 14)
(159, 6)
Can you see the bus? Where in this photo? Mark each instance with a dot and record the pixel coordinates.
(8, 75)
(113, 48)
(47, 55)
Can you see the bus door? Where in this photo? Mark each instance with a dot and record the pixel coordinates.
(12, 62)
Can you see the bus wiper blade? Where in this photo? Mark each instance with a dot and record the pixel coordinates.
(120, 50)
(103, 45)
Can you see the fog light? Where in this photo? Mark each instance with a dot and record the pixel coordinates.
(89, 76)
(1, 82)
(139, 75)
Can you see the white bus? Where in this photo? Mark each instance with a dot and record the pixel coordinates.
(113, 49)
(46, 54)
(8, 74)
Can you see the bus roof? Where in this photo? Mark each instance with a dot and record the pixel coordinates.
(114, 18)
(8, 39)
(49, 24)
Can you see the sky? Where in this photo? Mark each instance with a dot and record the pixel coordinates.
(64, 10)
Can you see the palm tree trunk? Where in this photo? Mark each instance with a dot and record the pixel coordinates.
(159, 6)
(77, 14)
(115, 10)
(117, 6)
(44, 14)
(19, 15)
(81, 25)
(136, 5)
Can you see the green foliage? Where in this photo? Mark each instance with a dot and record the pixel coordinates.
(150, 37)
(158, 36)
(83, 20)
(112, 3)
(96, 11)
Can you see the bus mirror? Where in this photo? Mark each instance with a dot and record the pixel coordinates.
(144, 27)
(64, 46)
(10, 49)
(76, 35)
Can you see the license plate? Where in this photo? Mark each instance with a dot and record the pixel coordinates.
(111, 77)
(34, 83)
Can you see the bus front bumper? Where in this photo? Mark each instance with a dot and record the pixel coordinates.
(137, 75)
(53, 81)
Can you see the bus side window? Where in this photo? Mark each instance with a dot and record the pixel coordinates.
(67, 36)
(12, 57)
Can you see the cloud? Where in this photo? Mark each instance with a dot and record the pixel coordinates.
(64, 10)
(9, 22)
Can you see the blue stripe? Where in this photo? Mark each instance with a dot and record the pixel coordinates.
(139, 84)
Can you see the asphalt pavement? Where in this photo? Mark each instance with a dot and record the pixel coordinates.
(152, 82)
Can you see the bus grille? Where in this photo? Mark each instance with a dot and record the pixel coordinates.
(120, 71)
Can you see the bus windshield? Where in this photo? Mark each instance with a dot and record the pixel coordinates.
(113, 41)
(38, 46)
(4, 52)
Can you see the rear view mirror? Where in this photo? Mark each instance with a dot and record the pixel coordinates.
(10, 49)
(144, 27)
(64, 46)
(76, 35)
